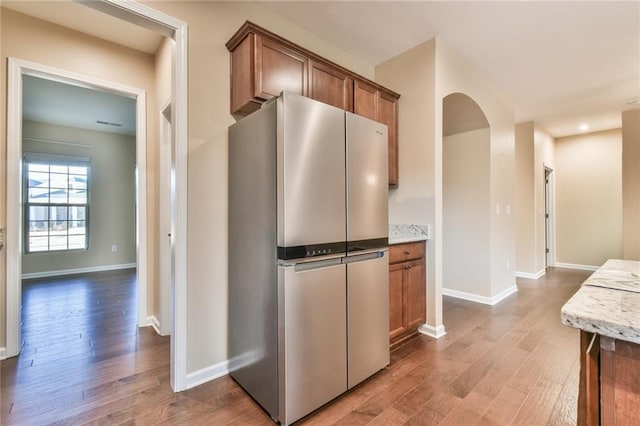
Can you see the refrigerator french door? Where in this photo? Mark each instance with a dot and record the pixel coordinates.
(367, 257)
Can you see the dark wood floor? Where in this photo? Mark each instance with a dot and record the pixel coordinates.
(84, 361)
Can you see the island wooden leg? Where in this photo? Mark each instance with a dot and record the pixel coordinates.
(589, 392)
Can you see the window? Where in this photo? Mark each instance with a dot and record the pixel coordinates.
(56, 203)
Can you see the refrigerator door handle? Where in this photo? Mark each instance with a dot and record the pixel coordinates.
(309, 266)
(363, 257)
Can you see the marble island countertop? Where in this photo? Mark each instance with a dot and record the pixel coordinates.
(404, 233)
(608, 303)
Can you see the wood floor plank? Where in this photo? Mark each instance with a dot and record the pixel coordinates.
(504, 407)
(537, 407)
(565, 410)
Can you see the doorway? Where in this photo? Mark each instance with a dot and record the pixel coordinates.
(79, 164)
(549, 235)
(166, 25)
(18, 72)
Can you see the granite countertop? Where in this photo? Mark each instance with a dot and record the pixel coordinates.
(405, 233)
(608, 303)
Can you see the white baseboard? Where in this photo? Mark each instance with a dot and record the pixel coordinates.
(480, 299)
(3, 353)
(207, 374)
(60, 272)
(431, 331)
(153, 322)
(575, 266)
(531, 276)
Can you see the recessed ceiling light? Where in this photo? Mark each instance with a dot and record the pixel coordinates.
(584, 127)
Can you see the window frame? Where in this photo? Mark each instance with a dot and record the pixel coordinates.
(54, 160)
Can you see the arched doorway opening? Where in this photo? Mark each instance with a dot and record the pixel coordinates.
(466, 191)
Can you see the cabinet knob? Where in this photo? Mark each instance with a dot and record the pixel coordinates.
(408, 266)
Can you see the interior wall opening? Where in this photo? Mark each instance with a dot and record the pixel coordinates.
(466, 199)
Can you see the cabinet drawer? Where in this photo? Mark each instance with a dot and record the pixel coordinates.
(403, 252)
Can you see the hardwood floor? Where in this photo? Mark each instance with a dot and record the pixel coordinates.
(513, 363)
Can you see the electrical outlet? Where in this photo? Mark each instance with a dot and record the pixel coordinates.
(508, 210)
(508, 264)
(114, 248)
(497, 208)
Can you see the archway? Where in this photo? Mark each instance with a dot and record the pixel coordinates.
(466, 192)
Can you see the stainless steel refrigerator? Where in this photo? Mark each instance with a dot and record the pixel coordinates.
(308, 257)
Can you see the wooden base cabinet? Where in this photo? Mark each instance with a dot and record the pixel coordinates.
(609, 391)
(264, 64)
(407, 288)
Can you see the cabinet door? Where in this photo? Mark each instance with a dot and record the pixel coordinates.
(365, 100)
(388, 114)
(278, 68)
(415, 290)
(396, 299)
(330, 85)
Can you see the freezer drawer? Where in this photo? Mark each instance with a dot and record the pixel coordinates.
(368, 315)
(312, 336)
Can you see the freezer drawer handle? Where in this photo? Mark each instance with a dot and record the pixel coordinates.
(308, 266)
(363, 257)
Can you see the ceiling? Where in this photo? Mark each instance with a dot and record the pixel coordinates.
(561, 64)
(53, 102)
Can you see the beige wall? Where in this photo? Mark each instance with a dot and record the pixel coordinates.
(424, 76)
(524, 199)
(631, 183)
(33, 40)
(588, 183)
(454, 76)
(412, 74)
(111, 191)
(465, 192)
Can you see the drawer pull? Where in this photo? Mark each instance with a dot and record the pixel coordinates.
(407, 253)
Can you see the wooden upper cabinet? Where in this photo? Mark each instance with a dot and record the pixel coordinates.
(277, 69)
(365, 100)
(330, 85)
(264, 64)
(382, 106)
(261, 69)
(388, 114)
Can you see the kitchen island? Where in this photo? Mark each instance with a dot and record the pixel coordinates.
(606, 309)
